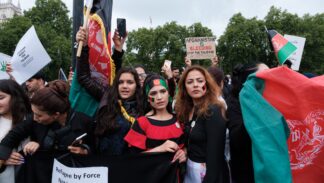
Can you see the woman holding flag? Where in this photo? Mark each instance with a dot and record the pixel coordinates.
(120, 103)
(198, 107)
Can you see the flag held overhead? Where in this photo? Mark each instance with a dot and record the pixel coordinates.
(282, 48)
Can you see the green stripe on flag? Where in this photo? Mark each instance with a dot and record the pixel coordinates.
(268, 131)
(285, 52)
(81, 100)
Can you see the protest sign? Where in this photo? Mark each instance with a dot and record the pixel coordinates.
(62, 173)
(296, 57)
(200, 47)
(4, 59)
(29, 57)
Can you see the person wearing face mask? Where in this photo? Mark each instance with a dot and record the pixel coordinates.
(52, 132)
(198, 107)
(159, 130)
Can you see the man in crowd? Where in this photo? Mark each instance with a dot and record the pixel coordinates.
(35, 83)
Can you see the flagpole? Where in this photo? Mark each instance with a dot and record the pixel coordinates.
(85, 26)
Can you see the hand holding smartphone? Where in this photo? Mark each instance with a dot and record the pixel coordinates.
(167, 63)
(121, 27)
(78, 139)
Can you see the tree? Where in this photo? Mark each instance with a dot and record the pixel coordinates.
(11, 32)
(151, 47)
(244, 41)
(53, 27)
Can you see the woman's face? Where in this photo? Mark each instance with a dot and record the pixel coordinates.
(42, 117)
(126, 85)
(158, 97)
(4, 103)
(195, 84)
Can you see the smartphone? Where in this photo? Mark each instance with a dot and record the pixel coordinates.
(167, 63)
(78, 139)
(121, 27)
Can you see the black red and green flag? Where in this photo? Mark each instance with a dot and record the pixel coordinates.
(283, 112)
(101, 64)
(282, 48)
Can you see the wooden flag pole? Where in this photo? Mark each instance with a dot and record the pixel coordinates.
(85, 26)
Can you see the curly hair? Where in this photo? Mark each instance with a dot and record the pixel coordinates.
(106, 118)
(19, 105)
(184, 103)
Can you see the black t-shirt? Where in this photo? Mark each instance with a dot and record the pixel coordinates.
(206, 142)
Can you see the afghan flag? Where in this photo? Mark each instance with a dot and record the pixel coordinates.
(281, 46)
(101, 64)
(273, 103)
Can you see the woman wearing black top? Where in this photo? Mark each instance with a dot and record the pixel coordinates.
(202, 112)
(52, 132)
(120, 103)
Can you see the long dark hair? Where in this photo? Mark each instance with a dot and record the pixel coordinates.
(19, 103)
(240, 74)
(106, 118)
(147, 107)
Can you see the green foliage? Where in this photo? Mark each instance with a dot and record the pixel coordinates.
(53, 27)
(150, 47)
(245, 40)
(11, 31)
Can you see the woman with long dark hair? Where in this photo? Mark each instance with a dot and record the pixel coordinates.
(120, 103)
(159, 130)
(119, 107)
(198, 107)
(14, 108)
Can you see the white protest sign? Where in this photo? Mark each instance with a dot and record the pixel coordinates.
(29, 57)
(296, 57)
(62, 173)
(200, 47)
(4, 59)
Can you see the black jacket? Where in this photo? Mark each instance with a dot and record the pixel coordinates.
(53, 140)
(240, 144)
(95, 88)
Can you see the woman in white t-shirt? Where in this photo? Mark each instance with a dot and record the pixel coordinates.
(14, 107)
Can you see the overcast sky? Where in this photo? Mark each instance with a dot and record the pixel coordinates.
(214, 14)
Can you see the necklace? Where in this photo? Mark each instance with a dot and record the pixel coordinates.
(125, 114)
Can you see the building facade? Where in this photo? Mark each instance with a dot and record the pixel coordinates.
(8, 10)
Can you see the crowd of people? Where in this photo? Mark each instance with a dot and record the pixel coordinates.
(195, 114)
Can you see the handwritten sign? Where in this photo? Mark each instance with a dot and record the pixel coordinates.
(29, 57)
(201, 47)
(64, 174)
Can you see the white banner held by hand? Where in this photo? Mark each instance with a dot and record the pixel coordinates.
(62, 173)
(29, 57)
